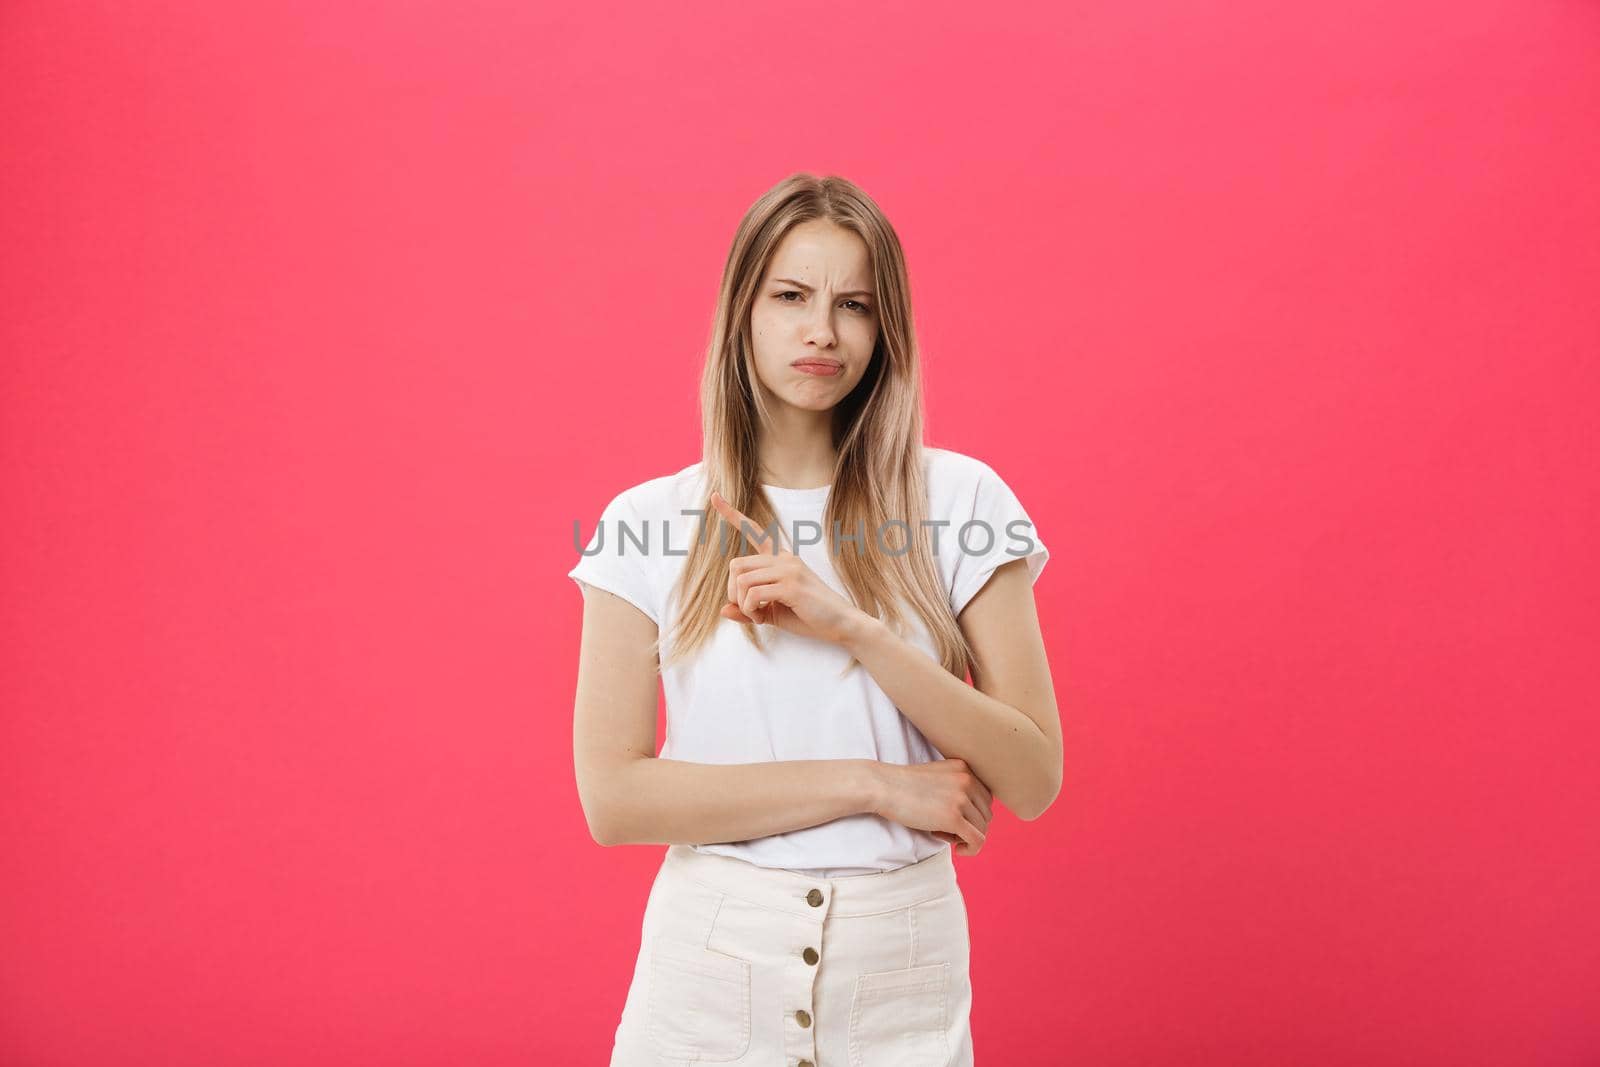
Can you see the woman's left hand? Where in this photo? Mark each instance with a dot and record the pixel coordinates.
(774, 587)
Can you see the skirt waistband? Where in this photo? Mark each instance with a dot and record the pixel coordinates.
(774, 887)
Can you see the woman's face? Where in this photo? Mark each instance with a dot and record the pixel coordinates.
(815, 317)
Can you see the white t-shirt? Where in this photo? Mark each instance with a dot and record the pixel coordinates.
(732, 703)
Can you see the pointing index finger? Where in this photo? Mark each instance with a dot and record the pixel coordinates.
(738, 521)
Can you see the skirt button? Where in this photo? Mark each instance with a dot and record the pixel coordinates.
(814, 898)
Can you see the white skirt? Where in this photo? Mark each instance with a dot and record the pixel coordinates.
(764, 967)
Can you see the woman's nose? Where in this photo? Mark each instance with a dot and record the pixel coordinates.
(820, 328)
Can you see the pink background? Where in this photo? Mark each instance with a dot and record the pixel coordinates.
(322, 323)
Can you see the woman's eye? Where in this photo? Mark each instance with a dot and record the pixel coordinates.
(859, 308)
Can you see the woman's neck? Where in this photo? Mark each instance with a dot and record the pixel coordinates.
(798, 454)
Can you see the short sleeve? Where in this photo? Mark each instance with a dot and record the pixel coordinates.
(998, 531)
(614, 560)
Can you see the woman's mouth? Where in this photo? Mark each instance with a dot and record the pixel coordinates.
(821, 367)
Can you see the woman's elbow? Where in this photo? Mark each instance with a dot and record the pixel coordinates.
(1046, 796)
(1033, 811)
(599, 787)
(598, 815)
(599, 830)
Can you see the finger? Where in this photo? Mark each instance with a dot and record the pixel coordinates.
(975, 816)
(973, 836)
(983, 790)
(958, 844)
(757, 615)
(981, 802)
(731, 611)
(758, 596)
(758, 575)
(734, 517)
(748, 529)
(742, 579)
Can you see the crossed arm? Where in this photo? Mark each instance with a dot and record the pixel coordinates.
(1005, 726)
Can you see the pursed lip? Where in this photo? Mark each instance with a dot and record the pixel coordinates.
(817, 361)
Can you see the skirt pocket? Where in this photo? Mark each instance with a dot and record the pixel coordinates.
(699, 1002)
(899, 1018)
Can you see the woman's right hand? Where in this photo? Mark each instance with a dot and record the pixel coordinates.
(942, 796)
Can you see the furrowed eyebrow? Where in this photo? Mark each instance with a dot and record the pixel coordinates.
(802, 285)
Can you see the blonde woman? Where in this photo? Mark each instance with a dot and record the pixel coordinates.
(812, 595)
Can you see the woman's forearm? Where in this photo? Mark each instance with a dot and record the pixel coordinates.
(654, 801)
(1003, 746)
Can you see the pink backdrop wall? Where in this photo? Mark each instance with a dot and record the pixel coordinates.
(322, 323)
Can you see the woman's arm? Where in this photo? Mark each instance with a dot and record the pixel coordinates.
(653, 801)
(1005, 725)
(630, 796)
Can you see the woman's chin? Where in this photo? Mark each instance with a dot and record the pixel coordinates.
(814, 399)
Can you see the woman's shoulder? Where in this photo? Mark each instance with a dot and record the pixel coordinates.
(948, 462)
(966, 486)
(663, 495)
(951, 473)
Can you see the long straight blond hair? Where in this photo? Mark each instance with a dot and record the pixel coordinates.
(877, 433)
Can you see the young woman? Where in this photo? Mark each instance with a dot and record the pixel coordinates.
(812, 595)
